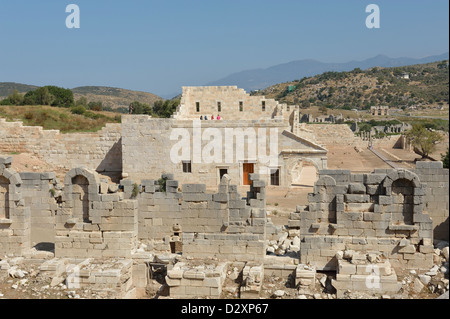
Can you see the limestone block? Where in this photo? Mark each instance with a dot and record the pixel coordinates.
(197, 197)
(193, 188)
(345, 268)
(374, 179)
(220, 197)
(352, 198)
(385, 200)
(356, 188)
(410, 249)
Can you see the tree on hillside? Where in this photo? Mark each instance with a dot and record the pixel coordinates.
(82, 101)
(140, 108)
(41, 96)
(63, 97)
(16, 98)
(95, 106)
(13, 99)
(49, 95)
(165, 108)
(423, 140)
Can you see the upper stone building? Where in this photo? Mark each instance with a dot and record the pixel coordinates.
(253, 135)
(229, 102)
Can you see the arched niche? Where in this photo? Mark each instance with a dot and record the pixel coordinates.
(81, 186)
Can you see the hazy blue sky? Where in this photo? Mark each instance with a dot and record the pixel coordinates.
(158, 46)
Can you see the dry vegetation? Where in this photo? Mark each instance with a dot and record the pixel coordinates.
(114, 97)
(427, 86)
(54, 118)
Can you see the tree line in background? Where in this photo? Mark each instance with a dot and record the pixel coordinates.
(163, 109)
(60, 97)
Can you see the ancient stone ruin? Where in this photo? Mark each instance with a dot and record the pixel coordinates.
(160, 229)
(110, 237)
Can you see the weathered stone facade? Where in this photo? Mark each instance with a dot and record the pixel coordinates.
(384, 211)
(145, 146)
(93, 222)
(15, 218)
(229, 102)
(100, 151)
(112, 236)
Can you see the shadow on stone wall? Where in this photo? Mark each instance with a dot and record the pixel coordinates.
(441, 231)
(111, 165)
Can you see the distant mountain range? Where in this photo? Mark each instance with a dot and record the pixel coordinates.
(257, 79)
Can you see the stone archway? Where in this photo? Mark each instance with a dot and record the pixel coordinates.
(304, 173)
(15, 218)
(401, 188)
(81, 186)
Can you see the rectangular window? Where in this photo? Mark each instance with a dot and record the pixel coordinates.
(275, 177)
(187, 167)
(219, 106)
(222, 172)
(197, 105)
(263, 106)
(241, 106)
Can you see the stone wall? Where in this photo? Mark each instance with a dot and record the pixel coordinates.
(94, 222)
(101, 151)
(231, 100)
(14, 215)
(160, 215)
(189, 281)
(147, 144)
(223, 225)
(38, 192)
(382, 212)
(436, 182)
(341, 134)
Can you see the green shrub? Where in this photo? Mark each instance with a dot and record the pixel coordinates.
(135, 191)
(78, 110)
(162, 184)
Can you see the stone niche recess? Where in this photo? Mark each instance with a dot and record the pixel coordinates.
(15, 223)
(93, 222)
(366, 213)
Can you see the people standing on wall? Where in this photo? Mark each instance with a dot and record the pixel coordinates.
(201, 117)
(212, 117)
(218, 117)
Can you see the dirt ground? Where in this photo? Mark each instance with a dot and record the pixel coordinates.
(28, 162)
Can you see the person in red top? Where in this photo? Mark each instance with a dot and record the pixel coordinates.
(212, 117)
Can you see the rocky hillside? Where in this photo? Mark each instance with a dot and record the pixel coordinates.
(428, 84)
(110, 97)
(7, 88)
(114, 97)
